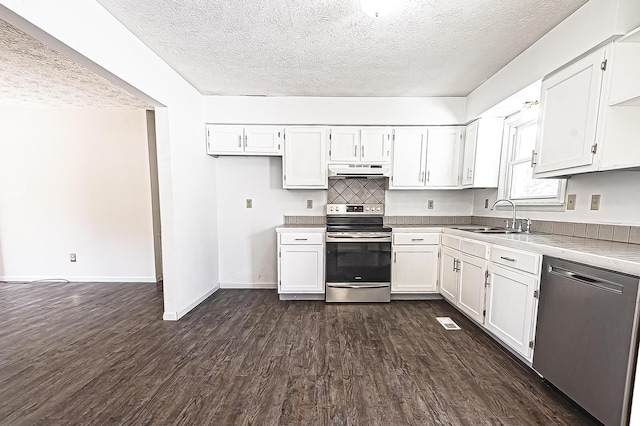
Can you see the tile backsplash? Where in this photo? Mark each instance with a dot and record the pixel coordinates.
(356, 191)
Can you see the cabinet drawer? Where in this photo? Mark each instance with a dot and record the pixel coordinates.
(450, 241)
(415, 238)
(293, 238)
(474, 248)
(527, 262)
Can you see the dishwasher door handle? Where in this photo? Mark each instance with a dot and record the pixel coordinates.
(587, 280)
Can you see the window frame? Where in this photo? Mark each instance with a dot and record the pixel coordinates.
(511, 125)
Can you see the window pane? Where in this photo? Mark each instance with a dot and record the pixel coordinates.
(524, 186)
(526, 141)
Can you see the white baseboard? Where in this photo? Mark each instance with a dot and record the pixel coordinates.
(175, 316)
(80, 279)
(260, 286)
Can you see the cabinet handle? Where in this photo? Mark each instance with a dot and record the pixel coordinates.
(301, 239)
(394, 257)
(534, 154)
(362, 151)
(240, 141)
(417, 239)
(422, 177)
(507, 258)
(355, 151)
(246, 138)
(428, 174)
(455, 265)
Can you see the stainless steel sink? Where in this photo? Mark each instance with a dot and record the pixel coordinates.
(495, 231)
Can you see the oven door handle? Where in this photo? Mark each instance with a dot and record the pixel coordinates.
(354, 239)
(372, 285)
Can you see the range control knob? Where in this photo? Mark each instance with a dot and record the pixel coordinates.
(366, 208)
(378, 208)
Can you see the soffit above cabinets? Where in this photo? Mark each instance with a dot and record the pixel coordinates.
(34, 75)
(331, 48)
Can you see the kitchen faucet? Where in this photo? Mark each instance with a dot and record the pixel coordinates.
(513, 206)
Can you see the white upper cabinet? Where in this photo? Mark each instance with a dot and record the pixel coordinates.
(244, 140)
(375, 145)
(426, 157)
(570, 101)
(344, 145)
(370, 145)
(408, 158)
(481, 158)
(443, 157)
(305, 158)
(589, 115)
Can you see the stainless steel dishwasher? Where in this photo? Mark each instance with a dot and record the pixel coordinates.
(587, 336)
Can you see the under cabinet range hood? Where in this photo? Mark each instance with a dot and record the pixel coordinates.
(342, 171)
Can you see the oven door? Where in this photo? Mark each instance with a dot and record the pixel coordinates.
(363, 262)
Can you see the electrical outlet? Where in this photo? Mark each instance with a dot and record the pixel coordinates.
(571, 202)
(249, 203)
(486, 203)
(595, 202)
(430, 204)
(72, 257)
(309, 204)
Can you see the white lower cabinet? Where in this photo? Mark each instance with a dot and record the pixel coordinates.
(512, 299)
(463, 275)
(300, 263)
(415, 263)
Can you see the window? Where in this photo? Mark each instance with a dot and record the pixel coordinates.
(516, 180)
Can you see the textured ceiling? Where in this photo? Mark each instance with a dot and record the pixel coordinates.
(331, 48)
(31, 74)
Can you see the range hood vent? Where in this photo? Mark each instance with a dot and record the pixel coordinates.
(370, 171)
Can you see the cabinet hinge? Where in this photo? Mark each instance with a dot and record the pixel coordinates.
(536, 294)
(533, 158)
(594, 148)
(278, 134)
(603, 65)
(278, 147)
(531, 344)
(394, 137)
(329, 153)
(484, 313)
(329, 135)
(486, 277)
(279, 254)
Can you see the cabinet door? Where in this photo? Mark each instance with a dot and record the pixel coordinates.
(301, 269)
(443, 156)
(224, 139)
(568, 117)
(344, 145)
(305, 158)
(263, 140)
(375, 145)
(471, 293)
(449, 274)
(511, 308)
(408, 153)
(414, 269)
(469, 156)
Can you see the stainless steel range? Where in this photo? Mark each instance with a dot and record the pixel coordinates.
(358, 261)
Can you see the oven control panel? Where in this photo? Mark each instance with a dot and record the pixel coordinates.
(355, 209)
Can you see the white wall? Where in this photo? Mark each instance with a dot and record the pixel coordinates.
(247, 237)
(619, 202)
(336, 110)
(75, 181)
(414, 203)
(592, 24)
(85, 31)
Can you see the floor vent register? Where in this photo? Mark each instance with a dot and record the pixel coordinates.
(448, 323)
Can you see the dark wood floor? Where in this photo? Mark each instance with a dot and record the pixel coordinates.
(99, 354)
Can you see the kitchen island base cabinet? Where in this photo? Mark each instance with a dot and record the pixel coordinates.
(511, 309)
(301, 264)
